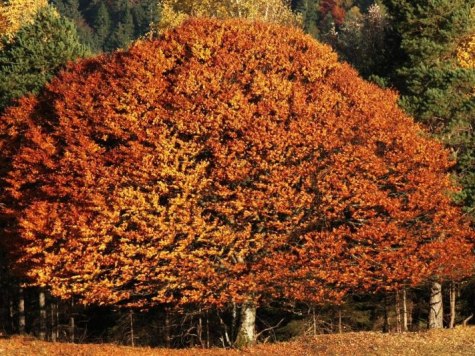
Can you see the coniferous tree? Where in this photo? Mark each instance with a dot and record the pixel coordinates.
(428, 33)
(308, 11)
(435, 88)
(37, 53)
(145, 14)
(123, 33)
(71, 9)
(68, 8)
(101, 24)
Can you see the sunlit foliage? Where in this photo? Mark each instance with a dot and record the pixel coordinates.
(16, 13)
(174, 12)
(225, 161)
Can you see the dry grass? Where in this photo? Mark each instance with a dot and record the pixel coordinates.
(460, 341)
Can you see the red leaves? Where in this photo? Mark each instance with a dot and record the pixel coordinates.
(226, 160)
(336, 9)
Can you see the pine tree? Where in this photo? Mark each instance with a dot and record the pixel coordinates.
(435, 88)
(308, 11)
(428, 33)
(36, 53)
(123, 33)
(145, 14)
(71, 9)
(101, 24)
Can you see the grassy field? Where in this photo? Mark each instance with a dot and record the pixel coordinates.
(460, 341)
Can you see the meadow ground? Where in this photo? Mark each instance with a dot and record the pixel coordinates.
(460, 341)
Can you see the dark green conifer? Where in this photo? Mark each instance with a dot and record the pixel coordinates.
(101, 23)
(123, 33)
(37, 53)
(434, 88)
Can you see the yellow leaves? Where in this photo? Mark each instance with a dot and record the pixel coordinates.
(16, 13)
(466, 53)
(174, 12)
(201, 52)
(466, 50)
(202, 174)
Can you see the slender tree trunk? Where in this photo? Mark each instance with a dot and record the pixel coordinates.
(72, 322)
(436, 313)
(42, 305)
(386, 315)
(132, 336)
(207, 330)
(247, 329)
(5, 314)
(199, 329)
(340, 326)
(453, 299)
(57, 320)
(167, 328)
(226, 340)
(12, 313)
(21, 311)
(398, 313)
(54, 321)
(314, 317)
(404, 310)
(234, 321)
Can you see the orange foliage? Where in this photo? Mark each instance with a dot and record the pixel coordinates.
(225, 161)
(335, 7)
(457, 341)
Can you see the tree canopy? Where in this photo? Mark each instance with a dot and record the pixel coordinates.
(173, 12)
(225, 161)
(466, 53)
(16, 13)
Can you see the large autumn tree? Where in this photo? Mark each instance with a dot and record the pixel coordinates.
(224, 162)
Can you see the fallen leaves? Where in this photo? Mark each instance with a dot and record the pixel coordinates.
(459, 341)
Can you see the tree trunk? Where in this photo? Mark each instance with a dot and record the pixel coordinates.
(53, 307)
(453, 291)
(247, 329)
(234, 321)
(132, 336)
(386, 315)
(314, 319)
(404, 310)
(340, 326)
(42, 305)
(168, 339)
(436, 313)
(208, 343)
(398, 313)
(72, 322)
(12, 312)
(199, 330)
(21, 311)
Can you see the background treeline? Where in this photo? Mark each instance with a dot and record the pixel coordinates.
(391, 42)
(108, 25)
